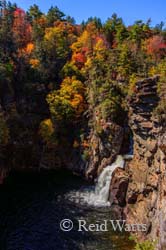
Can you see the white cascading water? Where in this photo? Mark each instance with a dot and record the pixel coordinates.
(99, 197)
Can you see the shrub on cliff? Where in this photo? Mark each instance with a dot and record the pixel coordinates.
(160, 110)
(143, 245)
(159, 69)
(146, 245)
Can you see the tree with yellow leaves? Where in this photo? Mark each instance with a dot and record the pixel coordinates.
(68, 103)
(46, 130)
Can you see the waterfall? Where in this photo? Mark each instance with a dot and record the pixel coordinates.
(98, 196)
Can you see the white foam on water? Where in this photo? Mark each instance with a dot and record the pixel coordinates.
(99, 195)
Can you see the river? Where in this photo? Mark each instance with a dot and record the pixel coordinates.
(32, 205)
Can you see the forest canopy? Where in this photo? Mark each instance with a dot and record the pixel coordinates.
(77, 72)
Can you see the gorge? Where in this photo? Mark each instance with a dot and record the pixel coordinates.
(138, 190)
(82, 130)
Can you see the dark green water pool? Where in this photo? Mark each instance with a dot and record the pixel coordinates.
(32, 207)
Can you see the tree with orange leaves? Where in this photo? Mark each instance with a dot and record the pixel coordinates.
(22, 29)
(156, 47)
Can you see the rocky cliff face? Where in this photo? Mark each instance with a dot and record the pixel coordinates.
(146, 192)
(104, 148)
(138, 192)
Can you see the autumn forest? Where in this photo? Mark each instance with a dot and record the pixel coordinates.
(81, 106)
(60, 80)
